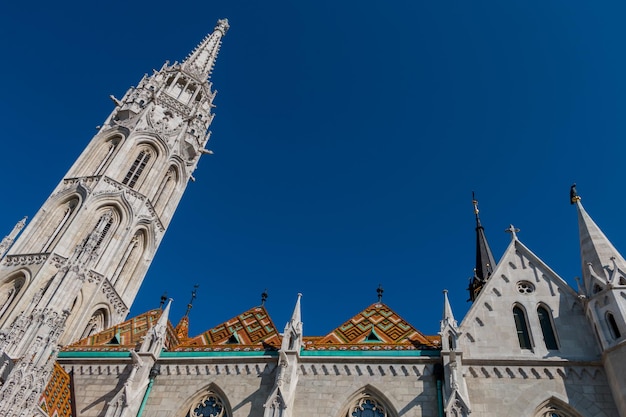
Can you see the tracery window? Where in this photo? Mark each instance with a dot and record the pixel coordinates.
(367, 406)
(523, 334)
(545, 320)
(137, 168)
(554, 408)
(211, 405)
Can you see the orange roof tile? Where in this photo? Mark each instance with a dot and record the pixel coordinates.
(377, 324)
(126, 335)
(251, 328)
(56, 399)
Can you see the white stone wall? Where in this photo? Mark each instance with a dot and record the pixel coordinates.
(325, 388)
(517, 390)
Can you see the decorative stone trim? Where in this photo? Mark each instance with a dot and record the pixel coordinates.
(173, 104)
(114, 298)
(366, 370)
(534, 372)
(25, 259)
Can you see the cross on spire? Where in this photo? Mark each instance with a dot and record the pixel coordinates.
(513, 231)
(263, 297)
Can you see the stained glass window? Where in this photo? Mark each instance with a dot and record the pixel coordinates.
(211, 405)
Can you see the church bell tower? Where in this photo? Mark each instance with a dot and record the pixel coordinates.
(76, 268)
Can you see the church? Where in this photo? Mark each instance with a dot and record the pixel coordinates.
(530, 345)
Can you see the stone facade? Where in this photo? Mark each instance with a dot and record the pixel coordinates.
(530, 345)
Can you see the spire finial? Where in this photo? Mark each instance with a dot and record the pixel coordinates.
(200, 62)
(485, 262)
(163, 300)
(573, 195)
(194, 292)
(513, 231)
(475, 203)
(264, 297)
(380, 291)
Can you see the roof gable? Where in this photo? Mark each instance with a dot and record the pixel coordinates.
(522, 279)
(376, 325)
(126, 335)
(251, 328)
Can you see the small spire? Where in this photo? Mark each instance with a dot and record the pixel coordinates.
(601, 262)
(447, 317)
(163, 300)
(201, 60)
(485, 262)
(8, 240)
(380, 291)
(194, 292)
(296, 316)
(264, 297)
(513, 231)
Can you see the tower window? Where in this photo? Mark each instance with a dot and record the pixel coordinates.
(137, 168)
(523, 335)
(546, 328)
(615, 333)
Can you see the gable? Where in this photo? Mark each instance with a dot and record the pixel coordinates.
(375, 326)
(251, 328)
(523, 282)
(126, 335)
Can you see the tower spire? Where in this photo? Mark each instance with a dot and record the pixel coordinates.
(601, 262)
(201, 60)
(485, 262)
(8, 240)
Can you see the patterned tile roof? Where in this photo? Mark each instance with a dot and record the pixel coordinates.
(376, 327)
(56, 399)
(252, 330)
(125, 336)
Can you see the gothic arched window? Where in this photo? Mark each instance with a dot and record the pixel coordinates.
(97, 323)
(613, 328)
(166, 189)
(137, 167)
(210, 405)
(9, 291)
(367, 406)
(60, 219)
(523, 334)
(545, 320)
(106, 153)
(555, 408)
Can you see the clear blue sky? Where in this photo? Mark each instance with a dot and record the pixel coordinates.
(348, 139)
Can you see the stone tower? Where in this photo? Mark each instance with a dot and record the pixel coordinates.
(603, 292)
(76, 268)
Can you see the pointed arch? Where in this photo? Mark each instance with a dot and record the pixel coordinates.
(169, 183)
(612, 325)
(521, 326)
(105, 152)
(130, 261)
(99, 321)
(553, 407)
(58, 221)
(11, 290)
(208, 402)
(546, 321)
(368, 401)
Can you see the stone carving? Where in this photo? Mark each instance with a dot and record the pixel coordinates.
(27, 259)
(114, 299)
